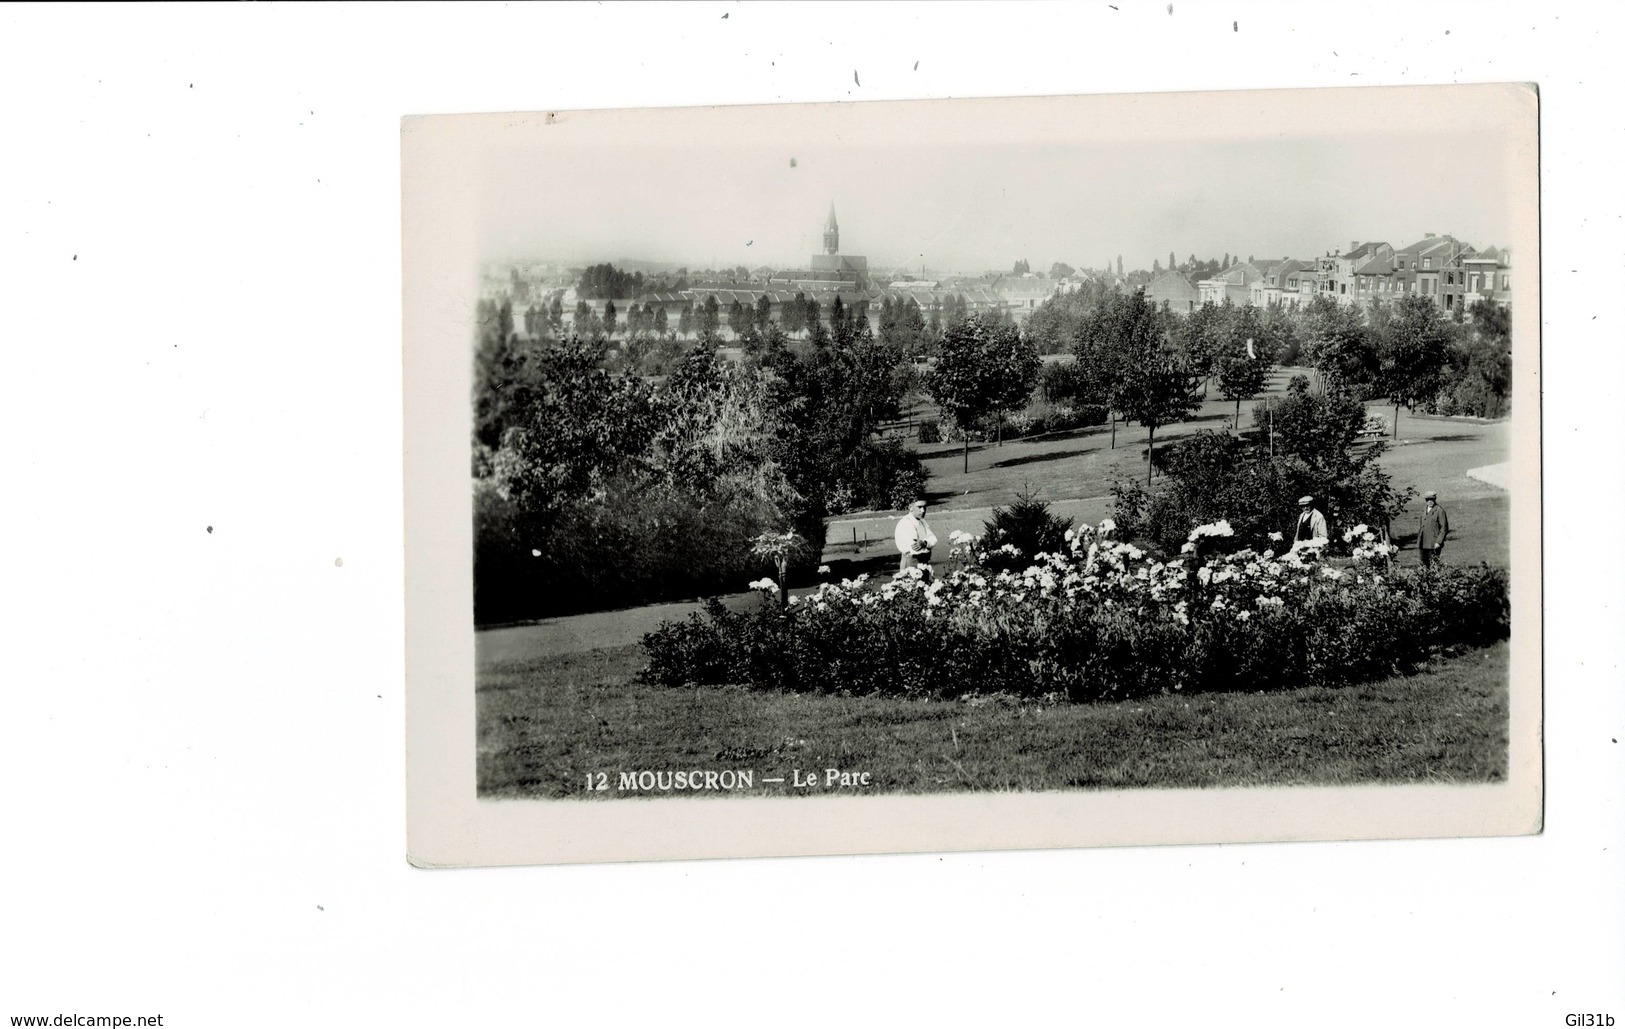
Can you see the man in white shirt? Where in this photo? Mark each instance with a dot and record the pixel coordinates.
(915, 539)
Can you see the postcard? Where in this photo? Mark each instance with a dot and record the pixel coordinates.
(972, 474)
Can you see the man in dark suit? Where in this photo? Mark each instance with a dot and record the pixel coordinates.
(1435, 527)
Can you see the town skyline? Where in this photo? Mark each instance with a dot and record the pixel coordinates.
(980, 199)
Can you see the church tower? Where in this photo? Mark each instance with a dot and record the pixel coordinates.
(832, 232)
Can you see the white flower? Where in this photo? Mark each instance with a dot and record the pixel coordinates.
(764, 584)
(1107, 525)
(1242, 616)
(535, 553)
(823, 569)
(1275, 536)
(1189, 548)
(1218, 528)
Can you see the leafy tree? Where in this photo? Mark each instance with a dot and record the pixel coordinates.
(609, 318)
(1318, 430)
(709, 315)
(1338, 343)
(1243, 372)
(983, 368)
(764, 312)
(1482, 362)
(685, 319)
(605, 281)
(1414, 353)
(1157, 389)
(1205, 334)
(1061, 270)
(574, 425)
(738, 320)
(1021, 267)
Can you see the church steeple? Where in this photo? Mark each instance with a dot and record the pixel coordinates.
(832, 232)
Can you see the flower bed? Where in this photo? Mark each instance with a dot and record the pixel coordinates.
(1102, 619)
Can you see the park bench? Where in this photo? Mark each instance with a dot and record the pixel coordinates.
(1375, 426)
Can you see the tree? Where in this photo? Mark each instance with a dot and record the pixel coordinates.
(605, 282)
(1244, 372)
(1153, 383)
(1205, 334)
(1172, 262)
(1021, 267)
(764, 312)
(1414, 353)
(710, 314)
(1339, 346)
(586, 324)
(1061, 270)
(1316, 432)
(1119, 265)
(983, 368)
(609, 318)
(574, 425)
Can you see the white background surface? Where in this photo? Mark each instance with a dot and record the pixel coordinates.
(201, 732)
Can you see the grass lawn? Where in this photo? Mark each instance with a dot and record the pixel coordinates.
(545, 722)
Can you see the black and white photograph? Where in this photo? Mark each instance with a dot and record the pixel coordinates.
(1039, 447)
(815, 514)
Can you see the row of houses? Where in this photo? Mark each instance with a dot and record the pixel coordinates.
(1443, 269)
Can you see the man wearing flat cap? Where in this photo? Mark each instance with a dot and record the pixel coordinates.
(1311, 523)
(1435, 527)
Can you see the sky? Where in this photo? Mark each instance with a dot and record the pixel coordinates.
(973, 186)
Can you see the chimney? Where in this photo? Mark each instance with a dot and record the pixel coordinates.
(1427, 235)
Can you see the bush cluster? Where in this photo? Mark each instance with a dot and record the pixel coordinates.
(1097, 622)
(642, 549)
(1017, 534)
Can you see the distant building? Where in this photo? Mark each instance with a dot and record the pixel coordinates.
(1022, 295)
(834, 266)
(1234, 284)
(1486, 275)
(1175, 290)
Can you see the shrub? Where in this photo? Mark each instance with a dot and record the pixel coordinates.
(1017, 534)
(637, 545)
(883, 470)
(930, 431)
(1100, 620)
